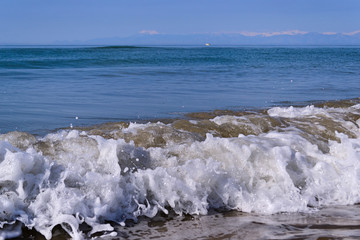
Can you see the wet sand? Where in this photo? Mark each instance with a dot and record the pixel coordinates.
(339, 222)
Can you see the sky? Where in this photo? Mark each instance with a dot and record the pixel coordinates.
(48, 21)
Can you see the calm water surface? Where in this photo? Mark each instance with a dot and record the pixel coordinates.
(47, 88)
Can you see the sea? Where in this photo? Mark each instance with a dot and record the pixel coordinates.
(180, 142)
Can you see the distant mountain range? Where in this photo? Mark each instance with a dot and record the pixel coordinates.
(152, 37)
(245, 38)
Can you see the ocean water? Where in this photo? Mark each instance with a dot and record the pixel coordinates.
(47, 88)
(217, 142)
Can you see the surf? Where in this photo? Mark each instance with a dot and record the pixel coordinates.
(276, 160)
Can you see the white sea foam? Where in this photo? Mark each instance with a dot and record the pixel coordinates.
(292, 112)
(69, 177)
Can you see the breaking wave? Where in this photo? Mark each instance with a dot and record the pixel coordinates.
(284, 159)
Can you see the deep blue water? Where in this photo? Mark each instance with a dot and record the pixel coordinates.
(44, 88)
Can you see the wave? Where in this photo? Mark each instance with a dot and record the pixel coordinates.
(284, 159)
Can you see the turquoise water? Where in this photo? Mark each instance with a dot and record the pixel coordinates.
(44, 88)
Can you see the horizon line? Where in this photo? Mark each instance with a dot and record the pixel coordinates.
(180, 45)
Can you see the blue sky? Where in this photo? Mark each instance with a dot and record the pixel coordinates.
(46, 21)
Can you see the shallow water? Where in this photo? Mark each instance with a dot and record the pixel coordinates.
(289, 160)
(44, 88)
(328, 223)
(337, 222)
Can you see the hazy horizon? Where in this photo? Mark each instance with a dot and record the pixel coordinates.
(44, 22)
(267, 39)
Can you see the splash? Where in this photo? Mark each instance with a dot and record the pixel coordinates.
(288, 159)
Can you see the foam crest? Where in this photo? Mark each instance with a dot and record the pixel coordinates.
(292, 112)
(76, 178)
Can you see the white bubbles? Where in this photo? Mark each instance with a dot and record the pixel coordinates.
(291, 112)
(69, 178)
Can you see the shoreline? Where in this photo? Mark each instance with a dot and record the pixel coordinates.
(200, 115)
(332, 222)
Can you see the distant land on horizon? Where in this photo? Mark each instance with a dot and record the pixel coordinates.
(287, 38)
(294, 37)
